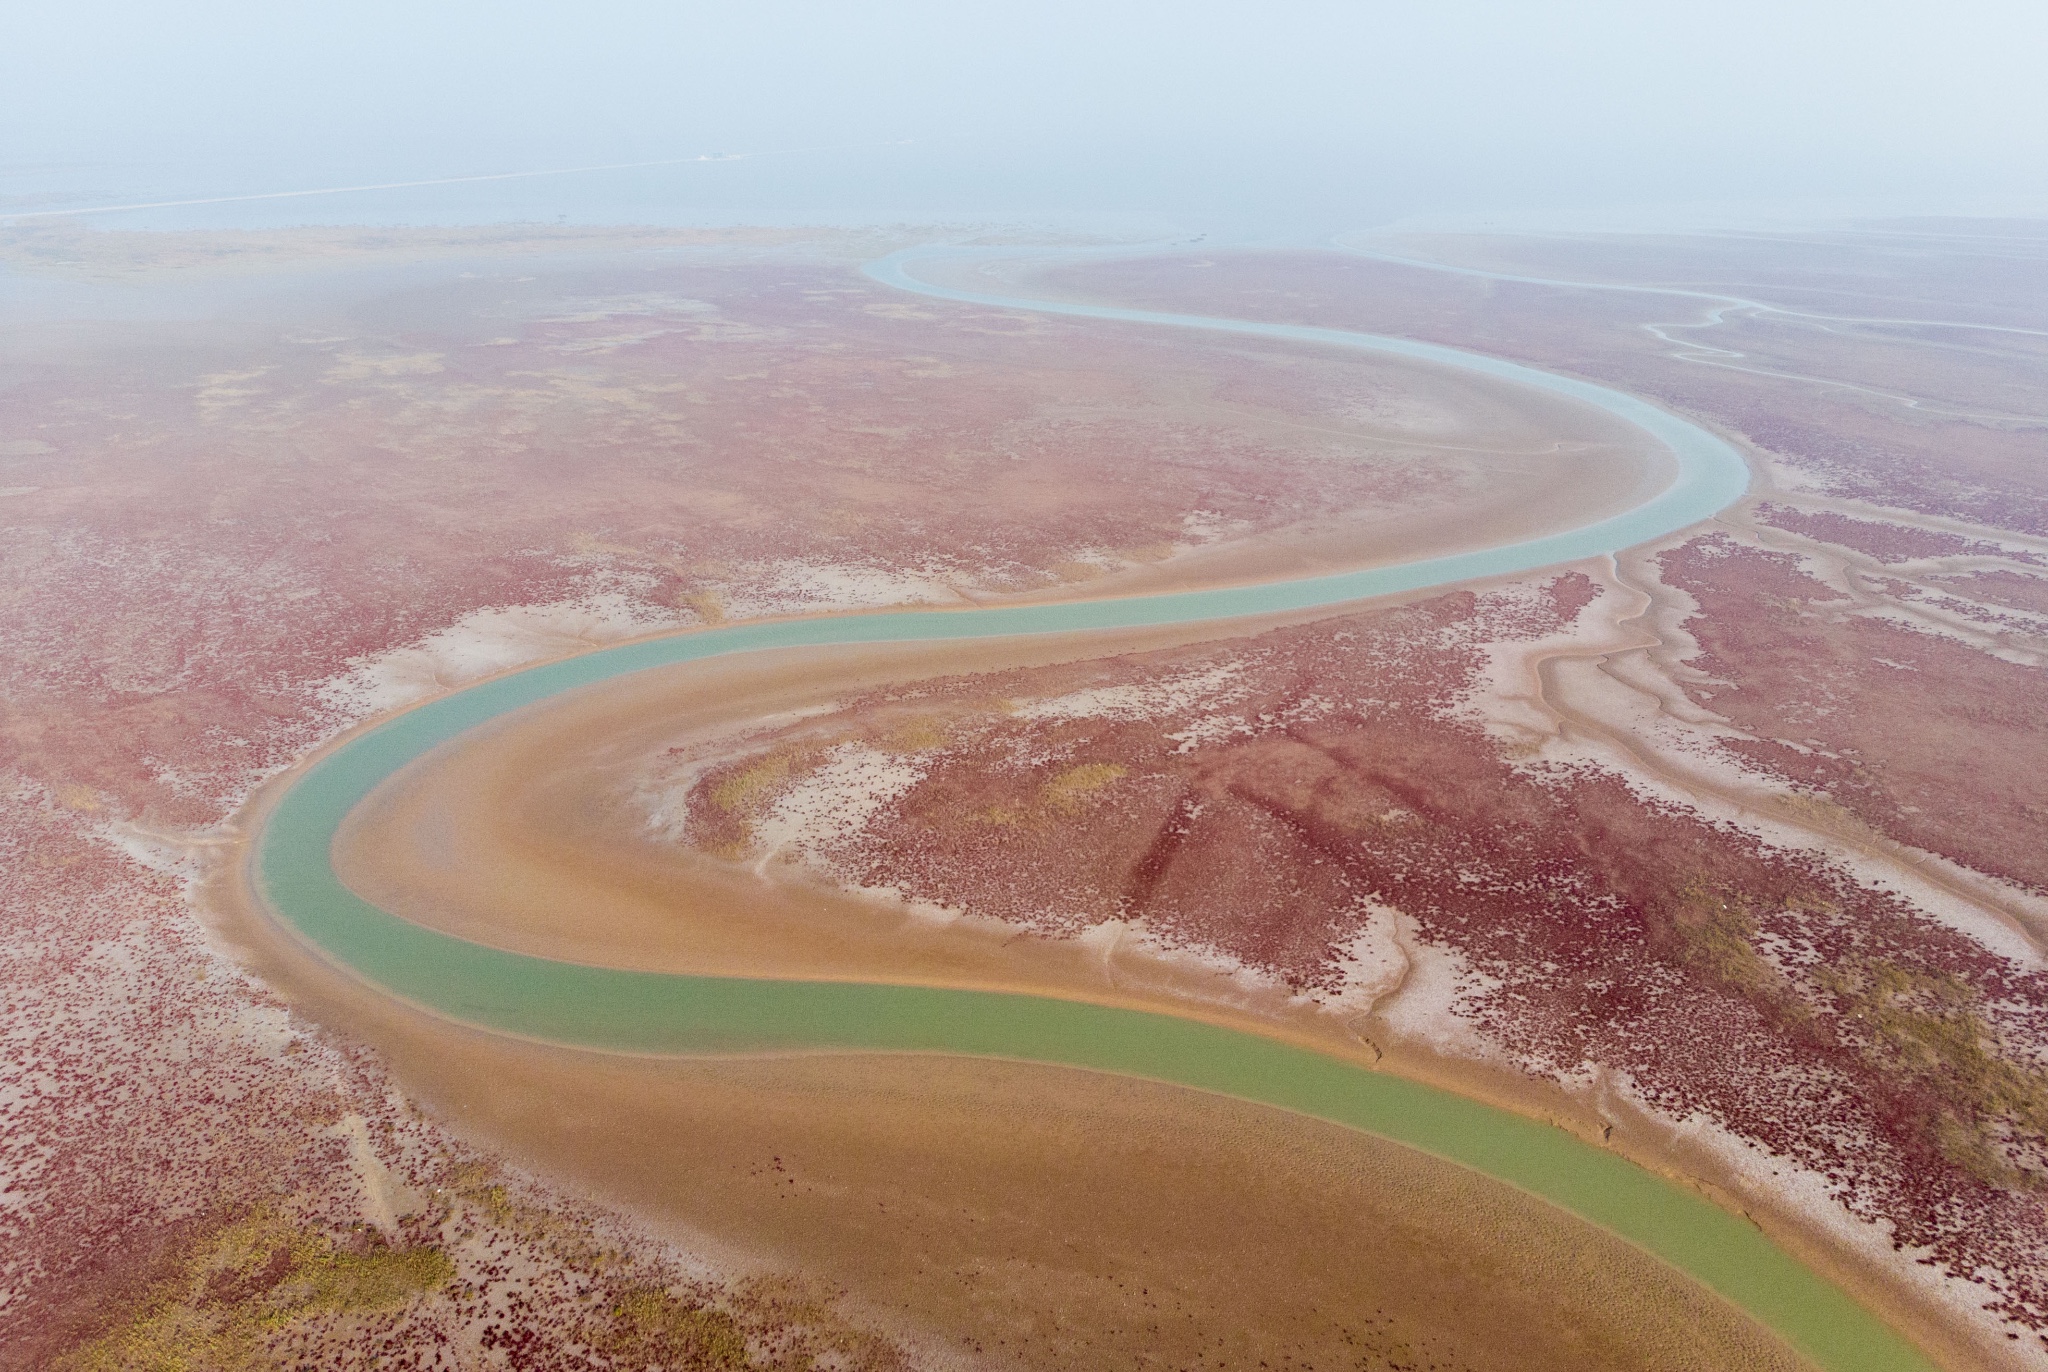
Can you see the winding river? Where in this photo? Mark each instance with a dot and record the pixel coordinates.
(648, 1012)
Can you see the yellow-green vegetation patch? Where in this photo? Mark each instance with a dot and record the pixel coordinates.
(494, 1202)
(787, 1303)
(170, 1338)
(1067, 791)
(919, 734)
(378, 1280)
(651, 1327)
(1061, 795)
(708, 606)
(747, 788)
(1716, 932)
(723, 822)
(1928, 1029)
(477, 1185)
(1825, 812)
(247, 1279)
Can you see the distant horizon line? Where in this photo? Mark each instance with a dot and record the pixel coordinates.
(436, 181)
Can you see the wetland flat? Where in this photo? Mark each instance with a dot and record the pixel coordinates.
(1625, 843)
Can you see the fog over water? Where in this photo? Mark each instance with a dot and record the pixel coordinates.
(1262, 118)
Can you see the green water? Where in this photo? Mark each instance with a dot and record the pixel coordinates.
(608, 1008)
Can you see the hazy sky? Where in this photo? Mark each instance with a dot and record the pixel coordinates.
(1438, 105)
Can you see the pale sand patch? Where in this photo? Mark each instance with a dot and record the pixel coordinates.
(794, 586)
(1374, 961)
(835, 801)
(353, 366)
(1202, 527)
(1506, 695)
(384, 1199)
(1133, 957)
(1178, 693)
(221, 391)
(597, 309)
(1424, 1010)
(486, 642)
(662, 791)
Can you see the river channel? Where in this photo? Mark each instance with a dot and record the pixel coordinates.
(658, 1013)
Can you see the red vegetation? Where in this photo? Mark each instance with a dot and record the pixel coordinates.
(1923, 738)
(1716, 975)
(2011, 589)
(1884, 541)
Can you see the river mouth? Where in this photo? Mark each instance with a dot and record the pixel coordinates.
(640, 1012)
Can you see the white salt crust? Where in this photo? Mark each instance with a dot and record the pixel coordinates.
(485, 642)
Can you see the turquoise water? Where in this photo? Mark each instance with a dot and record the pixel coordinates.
(608, 1008)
